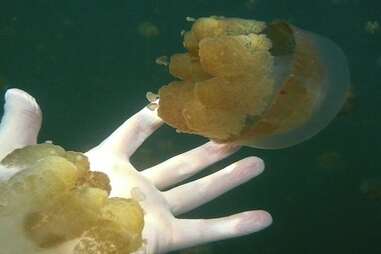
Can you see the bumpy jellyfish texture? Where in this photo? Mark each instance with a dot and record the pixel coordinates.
(242, 81)
(218, 88)
(54, 204)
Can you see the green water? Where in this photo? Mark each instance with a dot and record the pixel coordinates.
(89, 67)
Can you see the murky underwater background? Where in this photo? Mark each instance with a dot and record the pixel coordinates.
(90, 63)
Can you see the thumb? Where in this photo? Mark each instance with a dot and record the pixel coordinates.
(21, 121)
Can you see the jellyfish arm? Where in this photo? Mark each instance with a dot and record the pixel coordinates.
(152, 188)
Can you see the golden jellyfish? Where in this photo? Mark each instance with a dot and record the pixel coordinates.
(55, 204)
(263, 85)
(148, 30)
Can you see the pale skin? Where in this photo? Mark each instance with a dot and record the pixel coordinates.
(162, 204)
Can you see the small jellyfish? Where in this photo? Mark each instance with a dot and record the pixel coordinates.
(264, 85)
(7, 33)
(148, 29)
(372, 27)
(251, 4)
(371, 188)
(331, 160)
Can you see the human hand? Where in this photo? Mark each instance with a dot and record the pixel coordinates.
(162, 231)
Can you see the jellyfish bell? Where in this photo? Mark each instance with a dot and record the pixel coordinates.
(264, 85)
(317, 84)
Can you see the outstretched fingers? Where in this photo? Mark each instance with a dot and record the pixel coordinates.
(185, 165)
(191, 232)
(21, 121)
(132, 133)
(191, 195)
